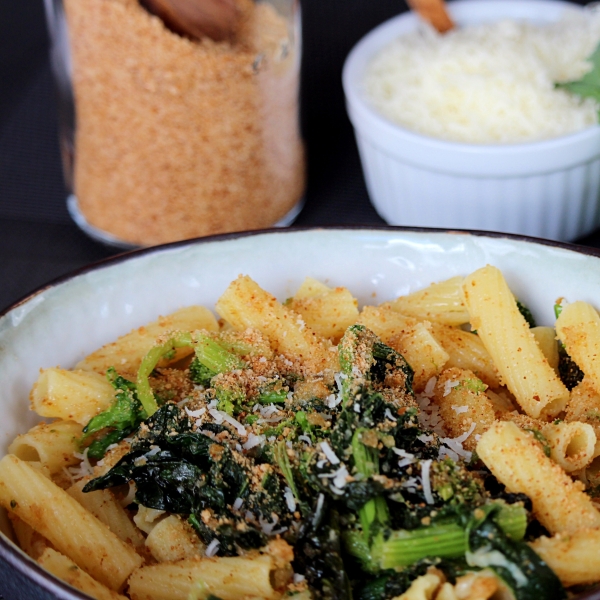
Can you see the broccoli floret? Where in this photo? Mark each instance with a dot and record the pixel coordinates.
(200, 374)
(364, 359)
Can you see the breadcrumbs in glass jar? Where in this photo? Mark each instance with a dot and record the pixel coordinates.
(174, 137)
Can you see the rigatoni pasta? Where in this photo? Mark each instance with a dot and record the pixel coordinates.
(517, 461)
(126, 353)
(50, 511)
(69, 572)
(229, 578)
(524, 369)
(71, 395)
(578, 328)
(441, 302)
(51, 446)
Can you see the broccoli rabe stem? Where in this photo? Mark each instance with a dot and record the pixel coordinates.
(445, 540)
(272, 396)
(148, 364)
(366, 461)
(208, 352)
(213, 356)
(281, 456)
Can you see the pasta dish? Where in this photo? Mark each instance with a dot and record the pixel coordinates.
(437, 446)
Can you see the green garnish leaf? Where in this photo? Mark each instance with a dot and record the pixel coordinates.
(589, 85)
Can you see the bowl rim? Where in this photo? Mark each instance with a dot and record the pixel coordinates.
(25, 565)
(223, 237)
(369, 121)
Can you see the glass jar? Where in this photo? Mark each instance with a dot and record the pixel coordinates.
(165, 137)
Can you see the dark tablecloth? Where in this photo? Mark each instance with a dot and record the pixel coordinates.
(38, 240)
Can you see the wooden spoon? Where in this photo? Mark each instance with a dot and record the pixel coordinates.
(433, 11)
(196, 19)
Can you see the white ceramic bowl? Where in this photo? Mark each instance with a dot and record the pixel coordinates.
(64, 321)
(546, 189)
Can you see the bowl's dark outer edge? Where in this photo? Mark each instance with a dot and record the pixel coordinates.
(26, 571)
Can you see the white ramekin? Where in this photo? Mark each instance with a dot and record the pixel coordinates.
(545, 189)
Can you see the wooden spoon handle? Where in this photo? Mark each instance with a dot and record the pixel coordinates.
(433, 11)
(196, 18)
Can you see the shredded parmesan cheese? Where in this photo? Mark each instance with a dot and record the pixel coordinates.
(329, 453)
(488, 83)
(426, 481)
(212, 548)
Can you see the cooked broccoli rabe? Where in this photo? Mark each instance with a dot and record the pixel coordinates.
(570, 374)
(526, 313)
(116, 423)
(345, 474)
(523, 572)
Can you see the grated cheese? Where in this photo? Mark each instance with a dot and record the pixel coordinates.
(329, 453)
(426, 481)
(194, 414)
(388, 415)
(488, 83)
(448, 385)
(486, 557)
(406, 458)
(289, 499)
(253, 440)
(212, 548)
(319, 509)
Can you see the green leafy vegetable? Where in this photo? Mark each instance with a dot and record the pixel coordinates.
(568, 370)
(119, 421)
(589, 85)
(349, 477)
(444, 539)
(526, 313)
(520, 568)
(148, 364)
